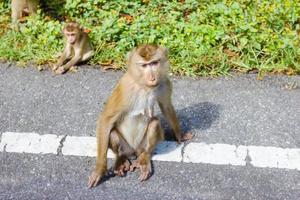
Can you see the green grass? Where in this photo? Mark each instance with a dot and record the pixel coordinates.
(205, 38)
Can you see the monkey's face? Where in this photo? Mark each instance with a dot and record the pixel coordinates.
(71, 36)
(148, 65)
(150, 72)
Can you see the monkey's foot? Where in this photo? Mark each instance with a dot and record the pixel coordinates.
(134, 165)
(122, 169)
(94, 179)
(145, 170)
(186, 137)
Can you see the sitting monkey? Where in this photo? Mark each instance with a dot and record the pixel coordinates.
(77, 49)
(128, 124)
(22, 8)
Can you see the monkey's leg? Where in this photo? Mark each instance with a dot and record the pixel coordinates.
(122, 150)
(16, 14)
(154, 134)
(87, 56)
(32, 6)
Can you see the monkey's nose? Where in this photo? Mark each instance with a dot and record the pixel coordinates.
(151, 78)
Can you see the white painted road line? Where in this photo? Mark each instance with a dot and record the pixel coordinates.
(217, 154)
(274, 157)
(82, 146)
(30, 143)
(86, 146)
(168, 151)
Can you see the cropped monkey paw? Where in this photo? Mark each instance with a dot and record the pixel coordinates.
(145, 170)
(60, 70)
(94, 179)
(186, 137)
(54, 68)
(73, 69)
(122, 169)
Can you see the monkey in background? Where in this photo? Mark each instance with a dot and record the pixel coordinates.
(21, 8)
(77, 48)
(128, 125)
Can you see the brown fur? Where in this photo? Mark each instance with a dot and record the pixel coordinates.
(21, 8)
(122, 109)
(147, 51)
(72, 27)
(79, 51)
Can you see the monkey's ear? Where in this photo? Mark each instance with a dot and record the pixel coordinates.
(165, 51)
(63, 31)
(81, 28)
(64, 28)
(129, 54)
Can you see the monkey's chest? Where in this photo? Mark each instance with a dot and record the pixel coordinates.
(133, 129)
(135, 123)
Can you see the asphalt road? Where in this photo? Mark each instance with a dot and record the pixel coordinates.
(236, 110)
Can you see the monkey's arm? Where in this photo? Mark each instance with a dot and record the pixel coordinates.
(76, 59)
(104, 127)
(166, 107)
(88, 53)
(61, 59)
(60, 62)
(110, 116)
(170, 114)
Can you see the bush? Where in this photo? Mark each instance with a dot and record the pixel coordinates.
(206, 38)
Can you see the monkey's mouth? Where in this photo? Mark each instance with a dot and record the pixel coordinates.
(153, 83)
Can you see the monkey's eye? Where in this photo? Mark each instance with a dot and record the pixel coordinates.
(144, 65)
(154, 63)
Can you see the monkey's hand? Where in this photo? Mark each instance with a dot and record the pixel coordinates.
(144, 168)
(95, 178)
(60, 70)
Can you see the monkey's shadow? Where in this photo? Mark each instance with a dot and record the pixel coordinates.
(199, 116)
(195, 117)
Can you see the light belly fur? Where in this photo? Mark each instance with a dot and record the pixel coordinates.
(135, 123)
(133, 129)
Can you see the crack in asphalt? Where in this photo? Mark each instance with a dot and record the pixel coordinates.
(248, 159)
(183, 148)
(61, 145)
(4, 148)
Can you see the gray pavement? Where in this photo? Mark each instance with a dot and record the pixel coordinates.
(236, 110)
(53, 177)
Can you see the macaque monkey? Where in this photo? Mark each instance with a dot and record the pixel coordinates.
(128, 125)
(77, 48)
(21, 8)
